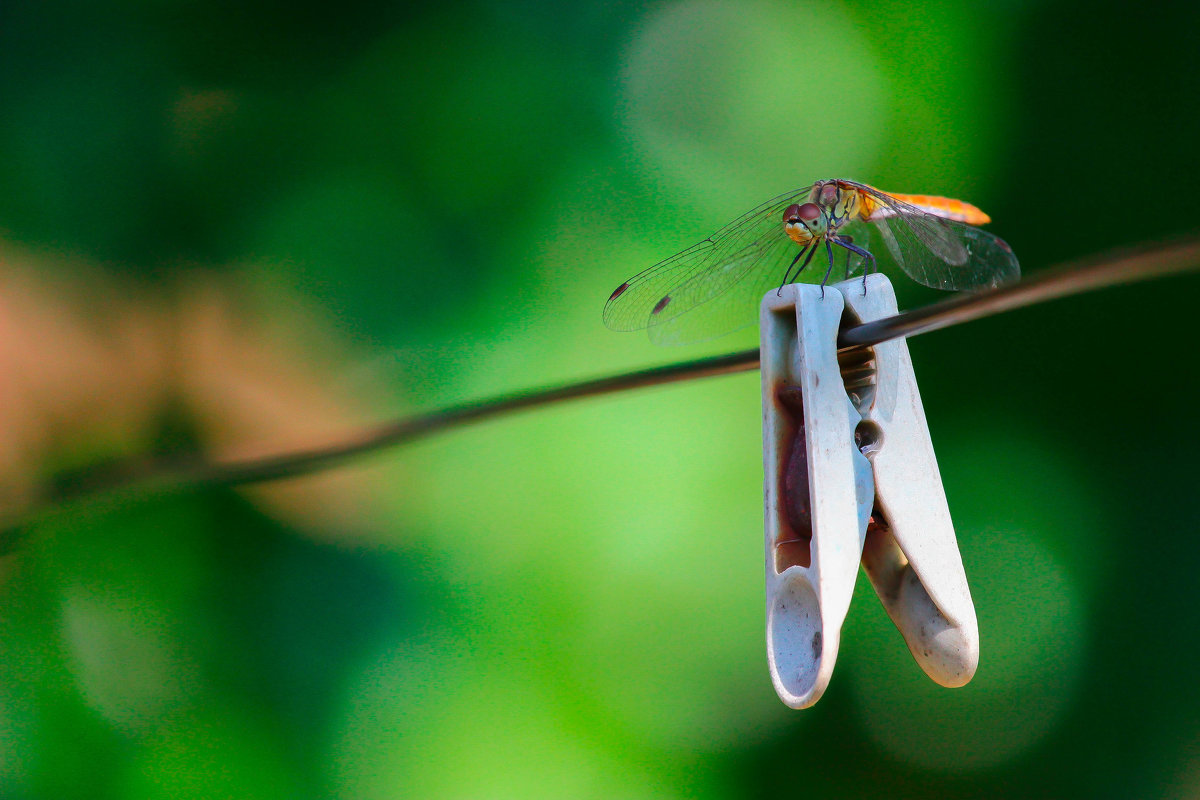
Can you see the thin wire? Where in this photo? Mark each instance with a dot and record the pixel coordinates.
(289, 465)
(158, 474)
(1068, 279)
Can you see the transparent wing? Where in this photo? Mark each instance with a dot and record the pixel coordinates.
(736, 306)
(705, 271)
(938, 252)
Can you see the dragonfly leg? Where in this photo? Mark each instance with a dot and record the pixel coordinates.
(868, 270)
(869, 264)
(789, 270)
(829, 251)
(810, 248)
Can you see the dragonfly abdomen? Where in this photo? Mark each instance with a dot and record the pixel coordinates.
(946, 207)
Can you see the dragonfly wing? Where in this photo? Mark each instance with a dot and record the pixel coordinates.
(701, 274)
(886, 236)
(938, 252)
(759, 271)
(908, 221)
(988, 249)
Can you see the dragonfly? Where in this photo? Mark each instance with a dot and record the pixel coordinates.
(714, 286)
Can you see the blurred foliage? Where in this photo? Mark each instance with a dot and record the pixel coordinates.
(238, 228)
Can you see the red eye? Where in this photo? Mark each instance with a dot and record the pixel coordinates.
(801, 213)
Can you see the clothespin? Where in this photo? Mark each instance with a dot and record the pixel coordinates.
(851, 477)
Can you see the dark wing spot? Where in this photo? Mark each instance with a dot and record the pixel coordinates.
(661, 304)
(620, 290)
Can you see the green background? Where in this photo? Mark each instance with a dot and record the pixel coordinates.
(418, 205)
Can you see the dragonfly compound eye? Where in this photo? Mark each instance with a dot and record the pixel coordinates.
(801, 214)
(808, 212)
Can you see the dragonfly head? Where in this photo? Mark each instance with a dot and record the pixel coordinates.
(804, 222)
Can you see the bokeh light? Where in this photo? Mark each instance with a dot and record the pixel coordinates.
(738, 96)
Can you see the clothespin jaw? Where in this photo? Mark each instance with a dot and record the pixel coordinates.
(850, 476)
(818, 487)
(911, 554)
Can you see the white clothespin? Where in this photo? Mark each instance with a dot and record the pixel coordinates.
(850, 477)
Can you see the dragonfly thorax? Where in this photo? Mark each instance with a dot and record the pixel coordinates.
(839, 202)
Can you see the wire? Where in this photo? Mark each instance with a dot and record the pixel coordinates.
(1068, 279)
(160, 474)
